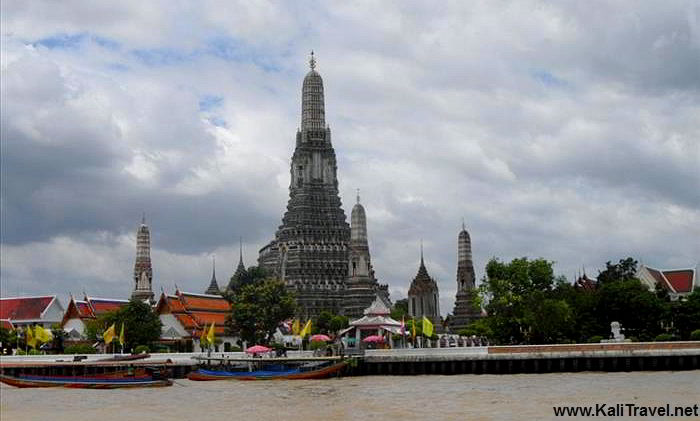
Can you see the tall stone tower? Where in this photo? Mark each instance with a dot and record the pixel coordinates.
(310, 249)
(362, 287)
(464, 311)
(143, 272)
(424, 297)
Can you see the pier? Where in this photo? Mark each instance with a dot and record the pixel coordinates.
(606, 357)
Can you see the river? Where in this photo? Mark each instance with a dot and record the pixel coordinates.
(462, 397)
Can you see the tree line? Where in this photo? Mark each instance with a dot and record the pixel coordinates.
(527, 304)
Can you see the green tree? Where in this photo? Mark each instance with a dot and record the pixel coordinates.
(59, 336)
(258, 310)
(686, 314)
(8, 338)
(339, 323)
(400, 309)
(523, 306)
(252, 275)
(629, 302)
(322, 324)
(141, 325)
(478, 327)
(625, 270)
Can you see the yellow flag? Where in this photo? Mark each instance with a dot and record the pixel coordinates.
(413, 327)
(210, 335)
(203, 336)
(31, 340)
(427, 327)
(295, 327)
(42, 335)
(121, 336)
(109, 334)
(306, 330)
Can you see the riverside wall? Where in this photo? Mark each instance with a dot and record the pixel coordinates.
(445, 361)
(532, 359)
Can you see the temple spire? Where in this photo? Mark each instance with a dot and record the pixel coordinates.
(213, 288)
(312, 61)
(358, 196)
(421, 253)
(143, 271)
(313, 115)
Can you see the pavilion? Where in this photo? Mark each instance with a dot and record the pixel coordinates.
(376, 321)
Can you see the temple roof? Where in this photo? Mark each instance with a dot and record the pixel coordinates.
(677, 281)
(103, 305)
(377, 308)
(422, 283)
(196, 311)
(213, 285)
(25, 308)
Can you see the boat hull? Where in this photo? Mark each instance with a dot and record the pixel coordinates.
(322, 373)
(102, 382)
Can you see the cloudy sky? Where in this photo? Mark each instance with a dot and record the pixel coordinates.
(565, 130)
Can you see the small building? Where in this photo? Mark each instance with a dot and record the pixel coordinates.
(424, 297)
(678, 282)
(89, 308)
(376, 321)
(20, 312)
(185, 315)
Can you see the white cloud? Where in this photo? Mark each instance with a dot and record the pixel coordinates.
(556, 130)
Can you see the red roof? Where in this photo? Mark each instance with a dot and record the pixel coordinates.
(24, 308)
(681, 280)
(105, 305)
(659, 278)
(6, 324)
(84, 309)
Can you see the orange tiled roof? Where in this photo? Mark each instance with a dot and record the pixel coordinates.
(24, 308)
(204, 302)
(207, 318)
(196, 312)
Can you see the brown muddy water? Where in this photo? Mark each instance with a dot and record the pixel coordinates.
(462, 397)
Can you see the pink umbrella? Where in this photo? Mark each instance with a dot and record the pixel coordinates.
(373, 338)
(320, 338)
(257, 349)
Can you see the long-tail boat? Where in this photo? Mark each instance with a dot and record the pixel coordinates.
(141, 377)
(270, 369)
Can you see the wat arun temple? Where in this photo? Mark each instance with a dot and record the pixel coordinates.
(318, 255)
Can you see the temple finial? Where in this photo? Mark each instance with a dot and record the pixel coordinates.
(463, 228)
(240, 249)
(358, 195)
(143, 218)
(421, 252)
(312, 61)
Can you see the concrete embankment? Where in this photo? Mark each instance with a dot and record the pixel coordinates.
(533, 359)
(473, 360)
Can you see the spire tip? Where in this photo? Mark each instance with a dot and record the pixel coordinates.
(312, 61)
